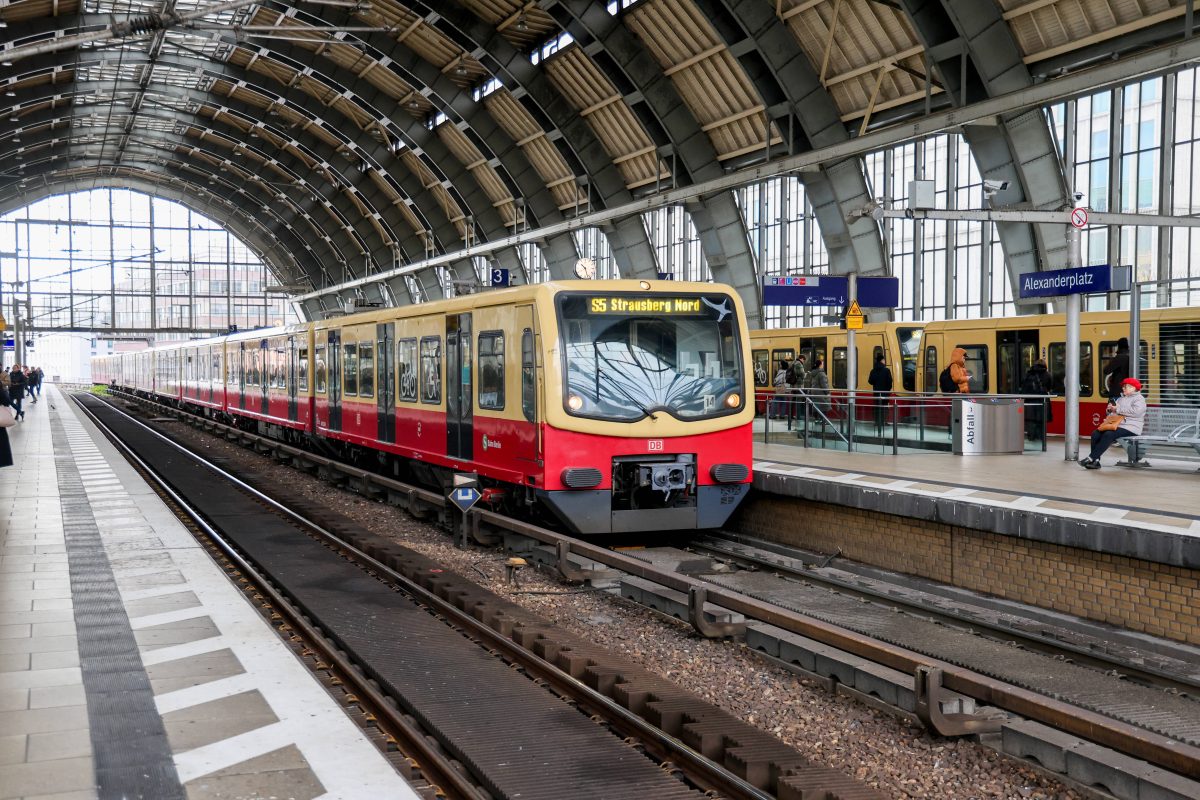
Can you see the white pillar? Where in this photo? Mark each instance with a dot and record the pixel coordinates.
(851, 364)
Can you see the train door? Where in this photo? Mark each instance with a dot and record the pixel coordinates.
(243, 367)
(1016, 351)
(1179, 363)
(293, 407)
(460, 412)
(385, 390)
(263, 364)
(529, 448)
(335, 380)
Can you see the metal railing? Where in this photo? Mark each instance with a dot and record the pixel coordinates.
(869, 422)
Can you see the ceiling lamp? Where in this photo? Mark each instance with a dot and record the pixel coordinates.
(521, 23)
(460, 70)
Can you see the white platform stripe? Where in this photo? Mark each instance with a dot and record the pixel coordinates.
(345, 763)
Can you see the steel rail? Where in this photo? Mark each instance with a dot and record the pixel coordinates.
(1088, 657)
(1161, 750)
(702, 770)
(436, 767)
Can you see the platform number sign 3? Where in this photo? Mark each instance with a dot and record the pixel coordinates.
(499, 277)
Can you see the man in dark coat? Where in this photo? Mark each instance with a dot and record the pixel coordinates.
(6, 458)
(16, 388)
(881, 381)
(35, 383)
(1117, 369)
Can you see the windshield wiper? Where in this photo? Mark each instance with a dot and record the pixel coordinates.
(615, 383)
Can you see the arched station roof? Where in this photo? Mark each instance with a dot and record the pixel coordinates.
(346, 137)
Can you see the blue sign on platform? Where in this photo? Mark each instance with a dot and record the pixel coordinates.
(829, 290)
(1058, 282)
(805, 290)
(465, 498)
(878, 292)
(499, 277)
(666, 276)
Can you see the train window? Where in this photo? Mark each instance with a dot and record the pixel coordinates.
(431, 369)
(977, 367)
(813, 350)
(320, 372)
(491, 370)
(1179, 363)
(407, 369)
(302, 372)
(528, 376)
(931, 370)
(838, 376)
(762, 368)
(1108, 351)
(1058, 368)
(366, 369)
(778, 357)
(909, 340)
(350, 369)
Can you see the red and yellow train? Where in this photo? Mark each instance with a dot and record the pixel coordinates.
(618, 406)
(1000, 352)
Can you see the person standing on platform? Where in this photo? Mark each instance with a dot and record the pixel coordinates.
(1117, 370)
(1036, 382)
(776, 406)
(6, 458)
(1125, 417)
(16, 389)
(958, 370)
(816, 384)
(35, 383)
(796, 373)
(881, 381)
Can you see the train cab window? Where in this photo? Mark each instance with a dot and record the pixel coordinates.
(366, 369)
(977, 367)
(528, 376)
(837, 376)
(778, 357)
(491, 370)
(431, 369)
(407, 369)
(350, 369)
(1058, 368)
(930, 377)
(762, 367)
(320, 371)
(302, 369)
(909, 340)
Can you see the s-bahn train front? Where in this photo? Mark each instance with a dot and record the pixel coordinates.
(649, 406)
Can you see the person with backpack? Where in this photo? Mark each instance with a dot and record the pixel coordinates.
(1117, 370)
(1036, 382)
(955, 379)
(781, 386)
(880, 379)
(816, 384)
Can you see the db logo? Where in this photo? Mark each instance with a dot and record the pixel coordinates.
(654, 445)
(1096, 418)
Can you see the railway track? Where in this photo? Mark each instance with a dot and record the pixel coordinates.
(518, 708)
(1107, 716)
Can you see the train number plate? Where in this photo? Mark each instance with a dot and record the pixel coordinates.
(654, 445)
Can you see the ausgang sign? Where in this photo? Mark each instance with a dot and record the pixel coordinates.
(1058, 282)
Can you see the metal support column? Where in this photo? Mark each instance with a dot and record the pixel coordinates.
(1071, 378)
(1135, 327)
(851, 365)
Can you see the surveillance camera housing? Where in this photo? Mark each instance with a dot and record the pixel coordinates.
(991, 187)
(1077, 195)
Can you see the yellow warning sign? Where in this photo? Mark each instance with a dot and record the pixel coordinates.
(854, 317)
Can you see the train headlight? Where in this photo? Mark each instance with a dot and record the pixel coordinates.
(645, 285)
(734, 400)
(574, 402)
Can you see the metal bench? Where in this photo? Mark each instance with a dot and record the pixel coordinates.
(1165, 427)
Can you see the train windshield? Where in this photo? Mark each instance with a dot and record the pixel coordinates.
(631, 356)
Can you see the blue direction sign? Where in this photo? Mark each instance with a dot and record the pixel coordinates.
(878, 292)
(805, 290)
(465, 497)
(499, 277)
(1058, 282)
(666, 276)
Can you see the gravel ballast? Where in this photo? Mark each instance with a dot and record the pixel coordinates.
(901, 760)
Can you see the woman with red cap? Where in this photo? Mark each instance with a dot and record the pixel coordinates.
(1131, 406)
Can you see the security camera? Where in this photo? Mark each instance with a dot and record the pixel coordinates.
(991, 187)
(1077, 195)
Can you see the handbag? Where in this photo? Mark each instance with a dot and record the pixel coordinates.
(1111, 423)
(7, 417)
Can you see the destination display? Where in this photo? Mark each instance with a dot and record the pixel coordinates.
(645, 305)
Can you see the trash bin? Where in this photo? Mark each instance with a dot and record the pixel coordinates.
(987, 425)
